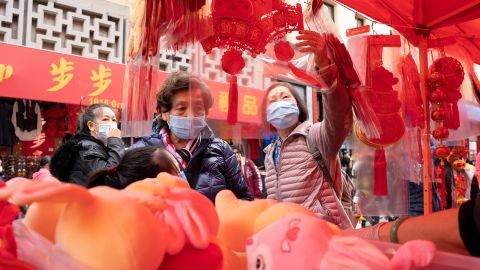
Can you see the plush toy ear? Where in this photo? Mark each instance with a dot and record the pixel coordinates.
(197, 215)
(194, 224)
(13, 186)
(54, 192)
(176, 235)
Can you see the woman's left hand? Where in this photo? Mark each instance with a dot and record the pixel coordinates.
(313, 42)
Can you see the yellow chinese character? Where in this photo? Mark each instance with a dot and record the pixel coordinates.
(102, 80)
(6, 72)
(249, 105)
(223, 101)
(62, 74)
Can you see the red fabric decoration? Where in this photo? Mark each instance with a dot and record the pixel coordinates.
(413, 100)
(446, 76)
(210, 258)
(361, 107)
(232, 63)
(8, 247)
(452, 71)
(385, 103)
(232, 114)
(316, 5)
(247, 25)
(439, 174)
(254, 147)
(283, 51)
(380, 173)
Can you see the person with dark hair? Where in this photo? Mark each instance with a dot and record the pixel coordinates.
(2, 171)
(302, 165)
(137, 164)
(208, 162)
(96, 145)
(250, 172)
(43, 171)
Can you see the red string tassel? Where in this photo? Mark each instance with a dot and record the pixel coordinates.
(380, 187)
(232, 101)
(443, 186)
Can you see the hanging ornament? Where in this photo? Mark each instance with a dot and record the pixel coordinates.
(439, 178)
(460, 182)
(446, 76)
(249, 25)
(386, 105)
(413, 103)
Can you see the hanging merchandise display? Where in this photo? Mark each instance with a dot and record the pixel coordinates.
(386, 104)
(55, 121)
(413, 106)
(72, 116)
(444, 81)
(27, 119)
(7, 129)
(20, 166)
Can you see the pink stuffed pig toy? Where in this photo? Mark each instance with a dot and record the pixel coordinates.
(305, 242)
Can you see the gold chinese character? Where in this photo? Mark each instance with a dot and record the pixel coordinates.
(6, 72)
(249, 105)
(62, 74)
(102, 80)
(223, 101)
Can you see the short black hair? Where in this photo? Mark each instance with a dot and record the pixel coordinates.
(137, 164)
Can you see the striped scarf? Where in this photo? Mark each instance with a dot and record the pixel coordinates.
(184, 155)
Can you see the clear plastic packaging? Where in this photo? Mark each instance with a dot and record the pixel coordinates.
(441, 261)
(41, 253)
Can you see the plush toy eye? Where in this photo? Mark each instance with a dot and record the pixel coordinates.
(260, 263)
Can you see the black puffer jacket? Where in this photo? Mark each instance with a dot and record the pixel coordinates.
(82, 155)
(212, 168)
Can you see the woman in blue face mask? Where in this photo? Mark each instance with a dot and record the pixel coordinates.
(96, 145)
(208, 163)
(293, 174)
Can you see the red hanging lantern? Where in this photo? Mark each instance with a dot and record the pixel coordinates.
(249, 25)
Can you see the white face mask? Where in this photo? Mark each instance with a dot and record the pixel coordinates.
(103, 128)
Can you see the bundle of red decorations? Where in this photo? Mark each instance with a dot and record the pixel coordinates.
(55, 121)
(446, 76)
(248, 25)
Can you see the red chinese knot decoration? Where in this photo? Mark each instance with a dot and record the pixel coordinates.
(248, 25)
(446, 76)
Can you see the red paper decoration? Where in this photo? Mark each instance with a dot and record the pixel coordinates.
(249, 25)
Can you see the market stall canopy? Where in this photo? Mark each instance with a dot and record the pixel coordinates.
(459, 19)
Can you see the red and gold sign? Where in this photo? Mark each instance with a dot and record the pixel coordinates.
(49, 76)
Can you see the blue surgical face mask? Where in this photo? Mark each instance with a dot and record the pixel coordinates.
(183, 176)
(186, 127)
(282, 114)
(103, 128)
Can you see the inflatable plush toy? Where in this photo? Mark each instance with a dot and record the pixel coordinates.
(300, 241)
(101, 227)
(190, 218)
(241, 219)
